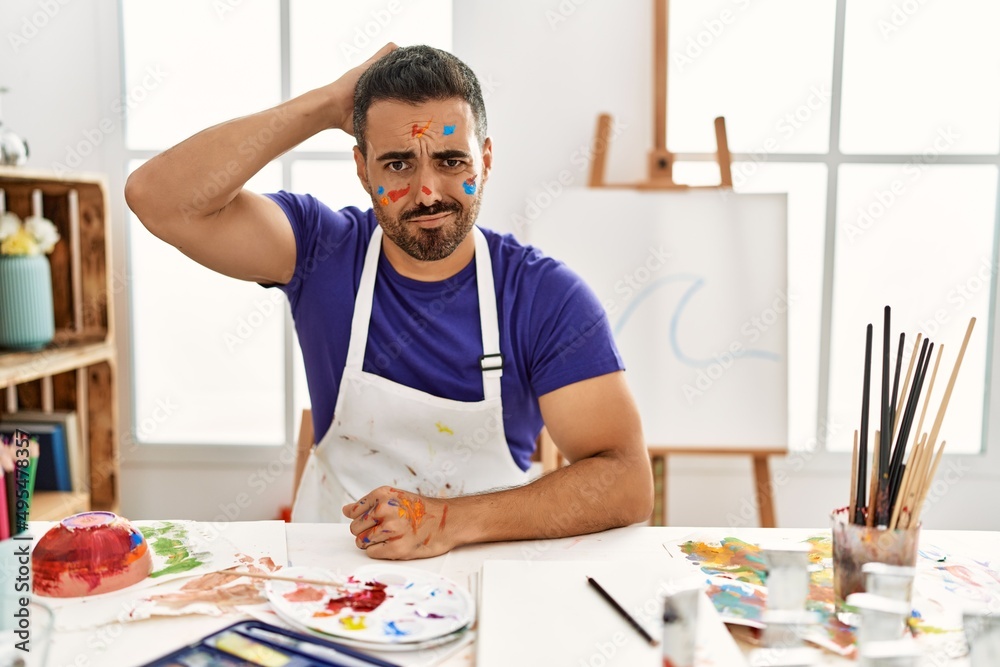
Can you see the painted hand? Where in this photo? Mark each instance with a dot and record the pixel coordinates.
(398, 525)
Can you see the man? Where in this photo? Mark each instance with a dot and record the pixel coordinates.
(434, 350)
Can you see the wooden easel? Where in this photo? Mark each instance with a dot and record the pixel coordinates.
(660, 170)
(660, 161)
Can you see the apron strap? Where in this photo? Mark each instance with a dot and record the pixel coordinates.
(491, 362)
(363, 303)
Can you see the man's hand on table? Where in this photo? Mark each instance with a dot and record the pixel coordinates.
(398, 525)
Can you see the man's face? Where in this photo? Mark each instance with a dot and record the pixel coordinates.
(425, 173)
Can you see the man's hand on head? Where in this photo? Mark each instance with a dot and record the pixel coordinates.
(342, 92)
(397, 525)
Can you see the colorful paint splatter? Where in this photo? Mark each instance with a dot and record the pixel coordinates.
(366, 600)
(426, 190)
(731, 558)
(394, 195)
(418, 131)
(170, 541)
(411, 510)
(448, 129)
(470, 185)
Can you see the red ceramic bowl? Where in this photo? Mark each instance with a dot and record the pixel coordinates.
(89, 553)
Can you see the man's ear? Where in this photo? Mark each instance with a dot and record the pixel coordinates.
(359, 162)
(487, 158)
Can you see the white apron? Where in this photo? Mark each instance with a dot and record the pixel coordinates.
(384, 433)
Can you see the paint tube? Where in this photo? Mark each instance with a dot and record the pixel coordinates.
(889, 581)
(882, 619)
(785, 629)
(982, 632)
(785, 657)
(680, 627)
(787, 575)
(898, 653)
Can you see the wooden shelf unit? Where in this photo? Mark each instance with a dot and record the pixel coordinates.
(76, 371)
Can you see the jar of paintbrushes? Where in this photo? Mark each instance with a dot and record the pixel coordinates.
(891, 474)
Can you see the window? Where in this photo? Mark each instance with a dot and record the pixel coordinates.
(887, 139)
(218, 353)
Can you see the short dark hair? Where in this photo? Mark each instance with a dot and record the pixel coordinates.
(415, 74)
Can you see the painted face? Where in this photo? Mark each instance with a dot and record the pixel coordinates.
(425, 172)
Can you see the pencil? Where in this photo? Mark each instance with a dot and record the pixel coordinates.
(624, 614)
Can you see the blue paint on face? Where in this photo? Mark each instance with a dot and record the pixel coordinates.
(470, 186)
(381, 190)
(449, 129)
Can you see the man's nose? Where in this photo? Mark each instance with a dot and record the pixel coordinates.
(428, 185)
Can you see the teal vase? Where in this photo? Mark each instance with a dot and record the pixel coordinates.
(27, 321)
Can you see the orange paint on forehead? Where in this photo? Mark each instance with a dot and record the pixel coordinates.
(414, 132)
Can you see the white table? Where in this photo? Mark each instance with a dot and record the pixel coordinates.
(331, 546)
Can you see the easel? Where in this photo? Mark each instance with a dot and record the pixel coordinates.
(660, 161)
(660, 170)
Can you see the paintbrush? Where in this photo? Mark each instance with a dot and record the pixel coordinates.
(911, 409)
(904, 428)
(280, 577)
(881, 500)
(860, 491)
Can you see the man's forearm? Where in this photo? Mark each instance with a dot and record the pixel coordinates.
(204, 173)
(594, 494)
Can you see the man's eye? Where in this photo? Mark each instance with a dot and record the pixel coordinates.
(398, 165)
(453, 163)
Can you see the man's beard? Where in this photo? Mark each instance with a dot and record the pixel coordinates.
(430, 245)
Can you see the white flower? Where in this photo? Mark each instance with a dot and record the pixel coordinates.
(44, 231)
(9, 223)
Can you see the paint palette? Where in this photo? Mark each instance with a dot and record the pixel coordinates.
(89, 553)
(378, 606)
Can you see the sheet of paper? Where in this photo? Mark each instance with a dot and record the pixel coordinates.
(545, 613)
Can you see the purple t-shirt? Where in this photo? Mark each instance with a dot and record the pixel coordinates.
(426, 335)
